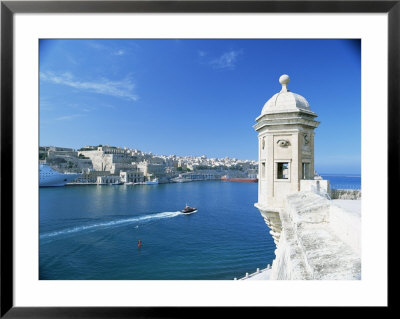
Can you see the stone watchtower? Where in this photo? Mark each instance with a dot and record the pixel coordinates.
(314, 238)
(286, 151)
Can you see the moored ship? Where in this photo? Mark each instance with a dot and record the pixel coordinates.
(153, 182)
(49, 177)
(244, 180)
(180, 180)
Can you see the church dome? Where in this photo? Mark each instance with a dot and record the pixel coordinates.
(285, 100)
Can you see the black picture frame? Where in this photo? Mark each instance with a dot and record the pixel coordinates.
(9, 8)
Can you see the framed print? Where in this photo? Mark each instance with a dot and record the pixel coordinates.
(196, 155)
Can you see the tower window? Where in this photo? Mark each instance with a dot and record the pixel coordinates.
(305, 171)
(263, 169)
(282, 171)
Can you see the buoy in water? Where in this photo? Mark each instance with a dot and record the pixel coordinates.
(139, 243)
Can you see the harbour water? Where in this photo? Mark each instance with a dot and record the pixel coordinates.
(91, 232)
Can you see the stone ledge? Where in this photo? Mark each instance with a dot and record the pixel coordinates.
(314, 242)
(352, 194)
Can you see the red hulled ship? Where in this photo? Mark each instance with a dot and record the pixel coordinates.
(244, 180)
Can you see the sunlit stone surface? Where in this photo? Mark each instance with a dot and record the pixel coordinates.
(316, 237)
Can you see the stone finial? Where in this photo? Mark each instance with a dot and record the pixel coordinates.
(284, 80)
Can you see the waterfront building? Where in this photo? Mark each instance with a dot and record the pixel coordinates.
(64, 159)
(152, 170)
(111, 150)
(132, 176)
(55, 151)
(110, 179)
(90, 176)
(113, 159)
(252, 173)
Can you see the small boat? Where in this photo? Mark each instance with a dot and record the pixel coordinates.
(153, 182)
(188, 210)
(117, 183)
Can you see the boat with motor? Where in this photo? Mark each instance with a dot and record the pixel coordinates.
(189, 210)
(49, 177)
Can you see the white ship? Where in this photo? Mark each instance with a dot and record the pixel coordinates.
(50, 177)
(180, 179)
(153, 182)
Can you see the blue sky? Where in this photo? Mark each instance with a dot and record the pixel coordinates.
(197, 97)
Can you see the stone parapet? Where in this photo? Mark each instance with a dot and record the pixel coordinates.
(315, 239)
(353, 194)
(315, 185)
(273, 221)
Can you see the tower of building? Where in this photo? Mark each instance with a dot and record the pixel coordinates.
(286, 151)
(286, 145)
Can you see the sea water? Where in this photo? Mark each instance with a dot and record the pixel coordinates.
(343, 181)
(92, 232)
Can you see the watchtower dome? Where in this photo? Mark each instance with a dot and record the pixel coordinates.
(286, 146)
(285, 100)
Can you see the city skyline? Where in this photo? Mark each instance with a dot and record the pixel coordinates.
(137, 151)
(197, 97)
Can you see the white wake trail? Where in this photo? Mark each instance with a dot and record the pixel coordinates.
(109, 224)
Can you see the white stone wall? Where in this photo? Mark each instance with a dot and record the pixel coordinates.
(318, 241)
(104, 161)
(353, 194)
(283, 143)
(101, 161)
(311, 185)
(347, 226)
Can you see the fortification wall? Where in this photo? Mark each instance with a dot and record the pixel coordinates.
(345, 194)
(318, 240)
(101, 161)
